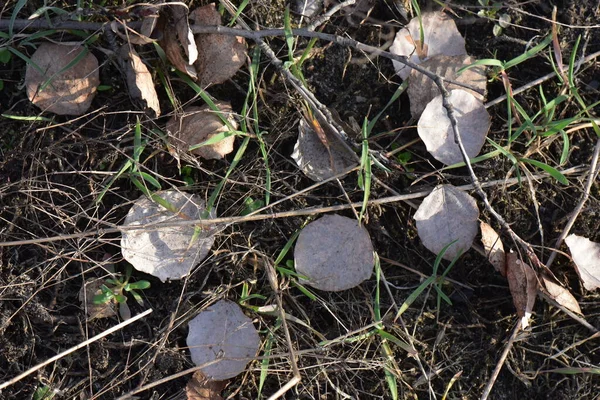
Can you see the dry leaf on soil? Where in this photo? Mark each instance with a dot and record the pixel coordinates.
(196, 125)
(561, 295)
(440, 36)
(224, 339)
(334, 253)
(149, 22)
(170, 45)
(167, 252)
(422, 90)
(62, 91)
(436, 132)
(220, 56)
(586, 256)
(180, 15)
(523, 285)
(494, 249)
(445, 215)
(202, 388)
(139, 80)
(312, 157)
(90, 289)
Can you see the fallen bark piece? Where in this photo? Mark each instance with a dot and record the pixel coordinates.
(586, 255)
(222, 340)
(166, 252)
(523, 285)
(55, 86)
(334, 253)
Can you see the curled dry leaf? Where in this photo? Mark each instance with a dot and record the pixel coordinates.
(143, 36)
(180, 13)
(523, 285)
(436, 131)
(440, 36)
(422, 90)
(170, 45)
(586, 255)
(55, 88)
(90, 289)
(444, 216)
(222, 340)
(561, 294)
(167, 252)
(197, 125)
(494, 249)
(139, 80)
(313, 158)
(219, 56)
(202, 388)
(334, 253)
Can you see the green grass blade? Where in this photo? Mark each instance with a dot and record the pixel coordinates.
(11, 24)
(529, 53)
(556, 174)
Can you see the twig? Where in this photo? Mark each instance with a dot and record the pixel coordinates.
(594, 170)
(74, 348)
(500, 363)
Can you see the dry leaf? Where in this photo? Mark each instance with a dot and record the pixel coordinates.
(202, 388)
(422, 90)
(54, 89)
(179, 13)
(586, 255)
(139, 80)
(170, 45)
(220, 56)
(87, 292)
(440, 36)
(334, 253)
(197, 125)
(149, 23)
(168, 252)
(224, 339)
(444, 216)
(493, 247)
(436, 132)
(561, 295)
(312, 156)
(523, 285)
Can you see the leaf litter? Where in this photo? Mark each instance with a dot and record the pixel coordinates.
(586, 256)
(523, 285)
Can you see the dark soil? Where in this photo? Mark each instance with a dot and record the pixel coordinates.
(52, 173)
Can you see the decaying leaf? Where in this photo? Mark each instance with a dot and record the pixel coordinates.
(180, 15)
(440, 36)
(87, 292)
(422, 90)
(202, 388)
(167, 252)
(139, 79)
(55, 88)
(494, 249)
(523, 285)
(172, 48)
(446, 215)
(143, 36)
(334, 253)
(219, 56)
(561, 294)
(586, 255)
(436, 132)
(313, 158)
(196, 125)
(223, 340)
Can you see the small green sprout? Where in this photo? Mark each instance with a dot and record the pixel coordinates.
(116, 292)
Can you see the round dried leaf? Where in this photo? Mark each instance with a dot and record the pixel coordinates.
(334, 253)
(436, 132)
(222, 332)
(444, 216)
(312, 157)
(197, 125)
(167, 252)
(53, 87)
(422, 90)
(440, 36)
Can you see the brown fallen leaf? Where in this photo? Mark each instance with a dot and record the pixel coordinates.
(561, 294)
(493, 247)
(180, 14)
(87, 292)
(139, 79)
(170, 45)
(523, 285)
(586, 256)
(219, 56)
(202, 388)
